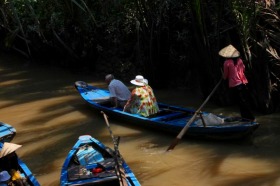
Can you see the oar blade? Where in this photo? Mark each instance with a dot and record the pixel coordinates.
(173, 144)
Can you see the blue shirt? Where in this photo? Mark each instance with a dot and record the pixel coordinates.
(119, 90)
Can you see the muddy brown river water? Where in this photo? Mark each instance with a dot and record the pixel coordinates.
(49, 115)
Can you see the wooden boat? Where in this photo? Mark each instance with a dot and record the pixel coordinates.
(7, 132)
(90, 162)
(10, 162)
(171, 119)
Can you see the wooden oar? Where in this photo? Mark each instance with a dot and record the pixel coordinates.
(119, 169)
(184, 130)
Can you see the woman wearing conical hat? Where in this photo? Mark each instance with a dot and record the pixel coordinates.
(8, 157)
(237, 81)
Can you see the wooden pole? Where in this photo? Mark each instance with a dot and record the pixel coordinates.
(184, 130)
(119, 169)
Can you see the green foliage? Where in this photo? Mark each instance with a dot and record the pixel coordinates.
(166, 41)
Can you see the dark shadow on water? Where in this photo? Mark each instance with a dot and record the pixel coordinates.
(21, 85)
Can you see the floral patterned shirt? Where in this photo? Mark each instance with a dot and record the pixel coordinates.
(142, 101)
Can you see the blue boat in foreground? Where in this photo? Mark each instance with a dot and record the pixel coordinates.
(7, 132)
(171, 119)
(90, 162)
(10, 162)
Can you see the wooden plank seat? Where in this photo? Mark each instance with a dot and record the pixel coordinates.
(164, 116)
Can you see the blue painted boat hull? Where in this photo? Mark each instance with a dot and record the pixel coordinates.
(90, 162)
(12, 161)
(28, 174)
(171, 119)
(7, 132)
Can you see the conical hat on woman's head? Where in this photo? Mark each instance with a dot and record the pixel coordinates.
(229, 52)
(8, 148)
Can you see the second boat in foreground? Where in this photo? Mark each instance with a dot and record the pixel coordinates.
(90, 162)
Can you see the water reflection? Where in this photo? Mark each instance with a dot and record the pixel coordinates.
(44, 107)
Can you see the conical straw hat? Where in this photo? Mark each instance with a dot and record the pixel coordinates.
(229, 52)
(8, 148)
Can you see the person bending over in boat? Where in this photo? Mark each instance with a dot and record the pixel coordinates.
(119, 93)
(142, 100)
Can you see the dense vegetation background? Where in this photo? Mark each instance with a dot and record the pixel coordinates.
(173, 43)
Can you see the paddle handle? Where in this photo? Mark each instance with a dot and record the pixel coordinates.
(108, 126)
(186, 127)
(183, 131)
(119, 169)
